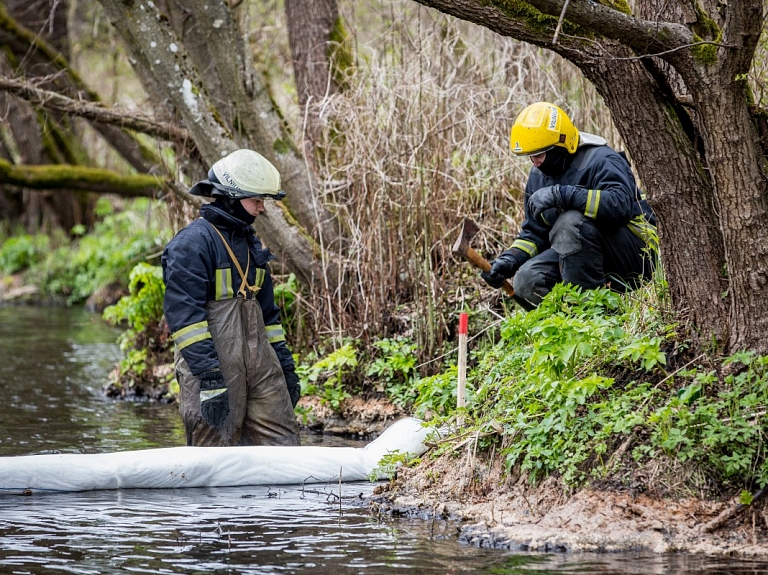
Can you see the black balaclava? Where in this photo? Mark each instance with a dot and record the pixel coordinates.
(556, 162)
(234, 208)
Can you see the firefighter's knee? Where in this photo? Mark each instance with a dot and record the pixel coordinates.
(528, 284)
(565, 236)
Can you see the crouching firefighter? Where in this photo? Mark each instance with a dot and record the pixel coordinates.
(236, 373)
(586, 221)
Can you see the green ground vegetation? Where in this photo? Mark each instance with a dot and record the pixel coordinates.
(72, 267)
(559, 390)
(597, 386)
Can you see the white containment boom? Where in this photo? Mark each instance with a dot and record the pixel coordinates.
(177, 467)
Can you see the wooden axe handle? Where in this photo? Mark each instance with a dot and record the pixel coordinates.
(480, 262)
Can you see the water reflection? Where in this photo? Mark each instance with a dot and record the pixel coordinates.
(53, 363)
(241, 530)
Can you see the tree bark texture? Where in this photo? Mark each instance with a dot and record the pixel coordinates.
(196, 55)
(309, 34)
(674, 79)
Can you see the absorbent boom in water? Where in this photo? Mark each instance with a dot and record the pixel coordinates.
(177, 467)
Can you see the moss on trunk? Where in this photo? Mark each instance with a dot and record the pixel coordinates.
(68, 177)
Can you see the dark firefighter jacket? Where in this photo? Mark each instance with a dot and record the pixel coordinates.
(598, 183)
(197, 268)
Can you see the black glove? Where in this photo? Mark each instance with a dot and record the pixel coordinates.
(502, 267)
(294, 387)
(543, 199)
(214, 398)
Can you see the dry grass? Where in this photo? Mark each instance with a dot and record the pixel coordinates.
(419, 140)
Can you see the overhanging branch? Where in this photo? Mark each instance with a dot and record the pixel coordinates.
(643, 36)
(67, 177)
(92, 111)
(522, 21)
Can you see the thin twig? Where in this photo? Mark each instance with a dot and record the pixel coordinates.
(560, 22)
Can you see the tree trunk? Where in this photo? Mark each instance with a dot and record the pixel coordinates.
(697, 152)
(210, 36)
(309, 34)
(679, 192)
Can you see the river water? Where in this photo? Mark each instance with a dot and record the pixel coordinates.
(53, 363)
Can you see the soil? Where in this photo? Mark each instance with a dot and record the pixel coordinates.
(494, 510)
(358, 416)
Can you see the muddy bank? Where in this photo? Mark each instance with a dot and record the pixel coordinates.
(497, 511)
(357, 416)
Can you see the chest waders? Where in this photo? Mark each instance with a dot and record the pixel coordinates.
(260, 411)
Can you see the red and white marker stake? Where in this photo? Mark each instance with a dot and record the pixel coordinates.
(461, 387)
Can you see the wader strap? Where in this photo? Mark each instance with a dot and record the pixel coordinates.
(243, 275)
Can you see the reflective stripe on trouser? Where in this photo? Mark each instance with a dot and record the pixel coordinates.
(260, 411)
(583, 255)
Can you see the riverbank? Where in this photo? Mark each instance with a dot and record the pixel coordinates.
(495, 510)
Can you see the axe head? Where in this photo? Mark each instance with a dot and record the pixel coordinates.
(468, 231)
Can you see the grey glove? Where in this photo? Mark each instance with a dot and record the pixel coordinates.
(502, 267)
(294, 387)
(214, 398)
(543, 199)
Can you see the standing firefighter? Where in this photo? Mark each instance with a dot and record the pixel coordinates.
(586, 221)
(236, 374)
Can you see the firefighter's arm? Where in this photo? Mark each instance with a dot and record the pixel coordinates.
(187, 273)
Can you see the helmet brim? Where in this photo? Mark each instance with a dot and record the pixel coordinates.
(533, 153)
(219, 189)
(204, 188)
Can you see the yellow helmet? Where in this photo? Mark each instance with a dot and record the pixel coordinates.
(541, 127)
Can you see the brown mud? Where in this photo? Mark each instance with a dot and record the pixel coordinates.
(357, 416)
(495, 510)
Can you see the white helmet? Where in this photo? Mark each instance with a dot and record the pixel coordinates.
(241, 174)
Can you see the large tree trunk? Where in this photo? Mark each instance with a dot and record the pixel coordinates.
(679, 191)
(197, 59)
(309, 34)
(676, 87)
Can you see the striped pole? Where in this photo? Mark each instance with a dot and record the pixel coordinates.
(461, 387)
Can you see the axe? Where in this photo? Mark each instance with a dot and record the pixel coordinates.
(462, 248)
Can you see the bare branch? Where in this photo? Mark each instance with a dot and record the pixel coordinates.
(560, 22)
(92, 111)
